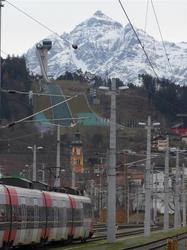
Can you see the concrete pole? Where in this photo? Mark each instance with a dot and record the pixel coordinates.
(57, 175)
(125, 187)
(176, 195)
(166, 188)
(73, 179)
(43, 172)
(183, 197)
(155, 197)
(111, 201)
(147, 216)
(128, 200)
(137, 207)
(100, 189)
(34, 163)
(152, 192)
(1, 5)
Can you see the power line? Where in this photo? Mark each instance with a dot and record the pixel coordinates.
(146, 14)
(17, 138)
(74, 46)
(13, 91)
(6, 54)
(142, 46)
(161, 37)
(43, 110)
(61, 119)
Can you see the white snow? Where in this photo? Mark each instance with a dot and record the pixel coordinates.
(105, 46)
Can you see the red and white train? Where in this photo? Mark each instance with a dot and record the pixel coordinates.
(29, 216)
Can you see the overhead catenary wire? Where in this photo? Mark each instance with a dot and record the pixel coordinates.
(18, 137)
(13, 91)
(146, 15)
(36, 20)
(2, 51)
(41, 111)
(61, 119)
(142, 46)
(41, 24)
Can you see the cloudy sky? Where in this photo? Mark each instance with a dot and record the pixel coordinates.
(19, 32)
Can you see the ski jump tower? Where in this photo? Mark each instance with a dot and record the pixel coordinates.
(42, 49)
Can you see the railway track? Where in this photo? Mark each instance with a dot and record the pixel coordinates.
(121, 233)
(157, 244)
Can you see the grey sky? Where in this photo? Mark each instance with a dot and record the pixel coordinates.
(19, 33)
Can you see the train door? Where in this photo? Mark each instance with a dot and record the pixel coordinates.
(87, 225)
(22, 221)
(81, 220)
(36, 234)
(62, 232)
(55, 220)
(30, 219)
(78, 219)
(64, 219)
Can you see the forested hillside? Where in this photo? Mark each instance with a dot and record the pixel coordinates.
(15, 76)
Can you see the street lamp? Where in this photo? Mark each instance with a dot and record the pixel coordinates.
(111, 173)
(34, 148)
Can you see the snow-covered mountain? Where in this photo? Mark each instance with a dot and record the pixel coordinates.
(106, 48)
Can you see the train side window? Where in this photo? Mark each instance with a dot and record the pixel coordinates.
(8, 209)
(2, 213)
(69, 214)
(87, 210)
(14, 213)
(36, 210)
(42, 213)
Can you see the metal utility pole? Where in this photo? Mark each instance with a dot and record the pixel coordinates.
(176, 195)
(147, 217)
(1, 5)
(183, 197)
(57, 175)
(166, 188)
(111, 215)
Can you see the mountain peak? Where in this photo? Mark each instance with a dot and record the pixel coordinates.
(101, 16)
(99, 13)
(106, 45)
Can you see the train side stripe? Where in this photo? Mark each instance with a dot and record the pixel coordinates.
(13, 201)
(48, 203)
